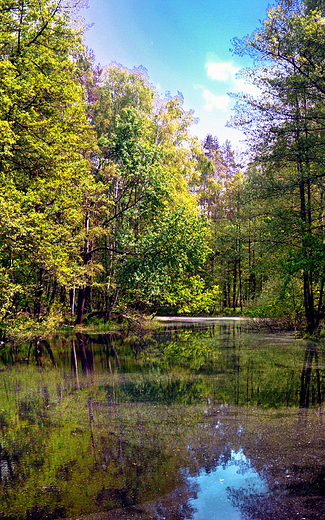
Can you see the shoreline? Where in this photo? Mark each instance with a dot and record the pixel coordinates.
(199, 319)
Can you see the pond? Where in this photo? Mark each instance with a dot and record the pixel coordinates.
(197, 421)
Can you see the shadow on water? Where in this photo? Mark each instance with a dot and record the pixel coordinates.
(191, 423)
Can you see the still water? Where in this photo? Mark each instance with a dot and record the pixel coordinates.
(197, 421)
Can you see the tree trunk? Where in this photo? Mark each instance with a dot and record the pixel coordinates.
(83, 291)
(234, 285)
(39, 294)
(82, 297)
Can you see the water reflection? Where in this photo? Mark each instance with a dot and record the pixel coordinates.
(217, 489)
(307, 386)
(171, 426)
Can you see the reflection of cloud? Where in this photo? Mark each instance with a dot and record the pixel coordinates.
(213, 101)
(221, 71)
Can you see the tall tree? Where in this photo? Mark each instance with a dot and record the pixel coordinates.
(43, 153)
(217, 184)
(142, 166)
(285, 125)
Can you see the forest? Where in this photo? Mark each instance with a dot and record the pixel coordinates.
(109, 205)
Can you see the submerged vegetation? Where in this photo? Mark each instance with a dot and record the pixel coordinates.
(109, 206)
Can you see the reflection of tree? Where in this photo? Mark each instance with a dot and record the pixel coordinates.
(129, 452)
(85, 354)
(310, 385)
(86, 350)
(74, 363)
(307, 384)
(173, 506)
(298, 502)
(37, 348)
(291, 463)
(236, 362)
(127, 460)
(168, 390)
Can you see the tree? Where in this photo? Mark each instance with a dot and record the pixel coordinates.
(43, 153)
(217, 184)
(141, 166)
(285, 125)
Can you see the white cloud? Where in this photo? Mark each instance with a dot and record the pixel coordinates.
(240, 85)
(228, 72)
(229, 80)
(221, 71)
(213, 101)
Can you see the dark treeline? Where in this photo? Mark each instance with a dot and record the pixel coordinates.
(109, 205)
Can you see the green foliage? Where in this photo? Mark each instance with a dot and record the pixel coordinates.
(24, 328)
(106, 199)
(172, 248)
(103, 220)
(284, 124)
(151, 232)
(279, 300)
(46, 139)
(191, 296)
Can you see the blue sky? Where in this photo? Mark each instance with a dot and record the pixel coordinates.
(184, 45)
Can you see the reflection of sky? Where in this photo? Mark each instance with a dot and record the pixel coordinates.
(213, 500)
